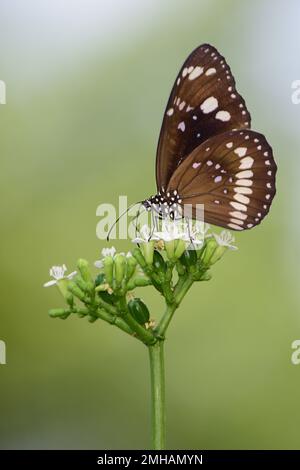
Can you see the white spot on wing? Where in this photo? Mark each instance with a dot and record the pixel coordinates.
(197, 71)
(223, 116)
(181, 126)
(244, 174)
(218, 179)
(209, 105)
(244, 183)
(170, 112)
(246, 163)
(238, 215)
(238, 206)
(210, 71)
(241, 198)
(235, 227)
(241, 151)
(242, 190)
(237, 221)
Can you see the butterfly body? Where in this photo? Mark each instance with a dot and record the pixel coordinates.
(207, 153)
(166, 203)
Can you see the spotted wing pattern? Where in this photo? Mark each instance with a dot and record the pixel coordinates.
(203, 102)
(233, 175)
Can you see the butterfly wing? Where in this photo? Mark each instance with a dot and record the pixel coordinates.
(233, 175)
(203, 102)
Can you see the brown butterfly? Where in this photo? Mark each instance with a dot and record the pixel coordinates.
(207, 153)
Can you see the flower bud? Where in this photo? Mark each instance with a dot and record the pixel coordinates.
(120, 266)
(130, 268)
(188, 258)
(139, 311)
(141, 282)
(218, 253)
(100, 279)
(102, 289)
(210, 247)
(84, 269)
(108, 263)
(179, 248)
(81, 283)
(170, 249)
(76, 291)
(158, 262)
(148, 251)
(59, 312)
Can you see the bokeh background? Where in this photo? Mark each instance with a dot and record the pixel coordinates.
(87, 83)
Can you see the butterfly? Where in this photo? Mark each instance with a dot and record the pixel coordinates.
(207, 153)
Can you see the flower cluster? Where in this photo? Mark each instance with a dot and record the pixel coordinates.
(170, 258)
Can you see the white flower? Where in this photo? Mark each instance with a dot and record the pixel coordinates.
(105, 252)
(109, 252)
(198, 233)
(58, 273)
(145, 235)
(225, 239)
(173, 231)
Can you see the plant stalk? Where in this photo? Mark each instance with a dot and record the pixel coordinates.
(158, 412)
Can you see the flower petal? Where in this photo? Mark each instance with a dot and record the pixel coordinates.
(50, 283)
(99, 264)
(71, 275)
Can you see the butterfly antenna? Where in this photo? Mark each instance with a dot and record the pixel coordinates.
(121, 215)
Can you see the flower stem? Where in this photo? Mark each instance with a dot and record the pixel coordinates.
(180, 291)
(157, 374)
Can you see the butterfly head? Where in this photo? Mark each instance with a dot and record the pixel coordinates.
(165, 204)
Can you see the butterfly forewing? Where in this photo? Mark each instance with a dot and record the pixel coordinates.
(233, 175)
(203, 102)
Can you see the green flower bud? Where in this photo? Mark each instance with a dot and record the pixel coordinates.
(218, 253)
(142, 282)
(59, 312)
(108, 263)
(84, 269)
(76, 291)
(210, 248)
(130, 268)
(81, 283)
(148, 251)
(101, 288)
(170, 249)
(99, 279)
(62, 285)
(120, 266)
(188, 258)
(158, 262)
(179, 248)
(139, 311)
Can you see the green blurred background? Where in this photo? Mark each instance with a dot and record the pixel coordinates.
(87, 83)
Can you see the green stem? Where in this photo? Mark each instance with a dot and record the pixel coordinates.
(180, 291)
(157, 375)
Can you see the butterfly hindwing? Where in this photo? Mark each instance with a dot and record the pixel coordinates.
(203, 102)
(233, 175)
